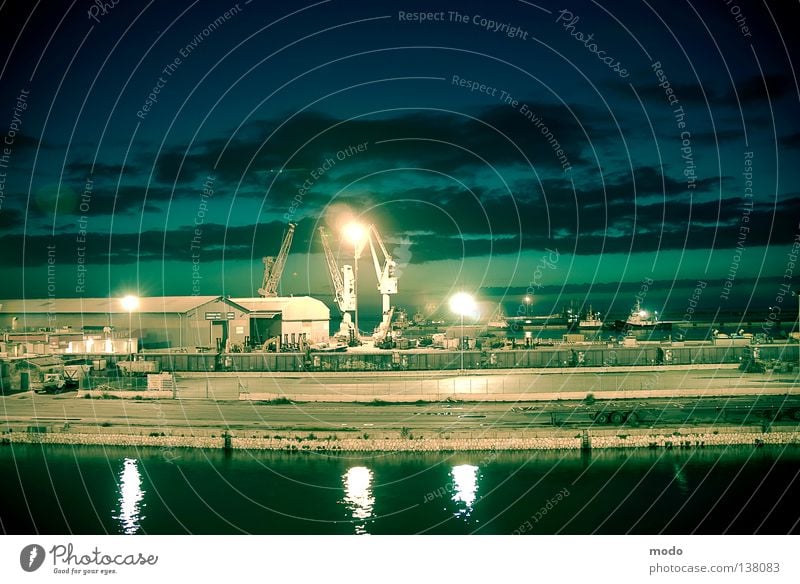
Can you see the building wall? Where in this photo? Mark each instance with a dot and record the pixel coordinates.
(209, 322)
(315, 331)
(156, 330)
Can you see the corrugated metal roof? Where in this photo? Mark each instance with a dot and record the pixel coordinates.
(274, 304)
(154, 304)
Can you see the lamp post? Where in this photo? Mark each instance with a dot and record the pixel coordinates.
(130, 303)
(356, 234)
(461, 304)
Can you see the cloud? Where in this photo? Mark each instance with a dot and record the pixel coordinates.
(757, 88)
(217, 242)
(790, 141)
(432, 140)
(10, 219)
(82, 169)
(751, 90)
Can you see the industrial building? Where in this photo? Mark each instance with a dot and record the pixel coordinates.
(213, 323)
(292, 319)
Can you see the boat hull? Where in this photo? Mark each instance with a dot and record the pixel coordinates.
(625, 325)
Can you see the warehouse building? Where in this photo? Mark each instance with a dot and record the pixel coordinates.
(292, 320)
(213, 323)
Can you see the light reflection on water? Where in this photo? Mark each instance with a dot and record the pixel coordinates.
(130, 498)
(358, 496)
(708, 491)
(465, 482)
(680, 479)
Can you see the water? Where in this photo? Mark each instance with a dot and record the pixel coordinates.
(90, 490)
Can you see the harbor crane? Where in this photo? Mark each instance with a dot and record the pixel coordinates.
(386, 273)
(343, 282)
(273, 265)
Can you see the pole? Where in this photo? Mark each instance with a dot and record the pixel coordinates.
(355, 290)
(462, 341)
(130, 334)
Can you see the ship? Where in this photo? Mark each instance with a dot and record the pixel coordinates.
(498, 319)
(590, 320)
(642, 319)
(571, 316)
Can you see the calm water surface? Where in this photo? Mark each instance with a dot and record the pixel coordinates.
(89, 490)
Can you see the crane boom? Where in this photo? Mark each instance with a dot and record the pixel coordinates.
(273, 265)
(341, 280)
(386, 273)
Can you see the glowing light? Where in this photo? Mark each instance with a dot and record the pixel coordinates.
(355, 233)
(130, 498)
(465, 483)
(643, 313)
(463, 304)
(358, 496)
(130, 303)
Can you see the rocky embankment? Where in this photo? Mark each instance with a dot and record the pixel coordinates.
(407, 441)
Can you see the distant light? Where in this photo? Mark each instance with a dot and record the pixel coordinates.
(355, 233)
(643, 313)
(130, 303)
(462, 304)
(527, 299)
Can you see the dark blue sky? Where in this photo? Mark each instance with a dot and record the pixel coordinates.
(570, 145)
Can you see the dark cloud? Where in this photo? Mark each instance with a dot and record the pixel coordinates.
(587, 231)
(82, 169)
(104, 199)
(790, 140)
(751, 90)
(10, 219)
(769, 87)
(431, 140)
(217, 242)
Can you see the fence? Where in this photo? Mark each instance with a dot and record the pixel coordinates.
(451, 360)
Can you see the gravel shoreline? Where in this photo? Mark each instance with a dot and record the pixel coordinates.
(347, 442)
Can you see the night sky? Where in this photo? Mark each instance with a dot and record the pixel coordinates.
(581, 151)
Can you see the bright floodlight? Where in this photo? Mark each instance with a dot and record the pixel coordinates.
(643, 313)
(462, 304)
(130, 303)
(355, 233)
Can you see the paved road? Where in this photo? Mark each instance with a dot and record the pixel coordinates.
(440, 385)
(29, 408)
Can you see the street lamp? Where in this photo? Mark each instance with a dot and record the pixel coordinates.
(130, 303)
(356, 234)
(461, 304)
